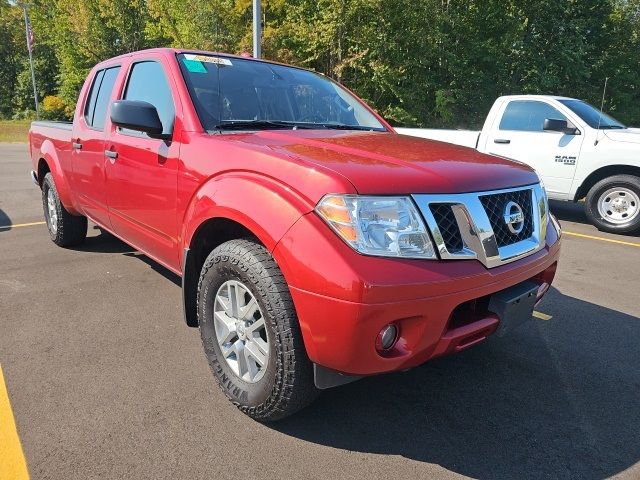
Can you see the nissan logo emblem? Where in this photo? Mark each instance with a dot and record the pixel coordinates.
(514, 217)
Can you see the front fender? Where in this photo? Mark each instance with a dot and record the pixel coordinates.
(49, 154)
(261, 204)
(622, 156)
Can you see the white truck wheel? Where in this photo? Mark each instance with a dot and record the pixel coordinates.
(613, 204)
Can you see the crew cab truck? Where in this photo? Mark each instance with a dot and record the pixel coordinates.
(579, 152)
(315, 244)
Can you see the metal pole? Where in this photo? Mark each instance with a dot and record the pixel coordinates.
(33, 75)
(257, 28)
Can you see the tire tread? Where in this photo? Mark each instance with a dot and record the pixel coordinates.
(293, 388)
(72, 229)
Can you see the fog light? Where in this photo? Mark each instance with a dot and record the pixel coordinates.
(387, 337)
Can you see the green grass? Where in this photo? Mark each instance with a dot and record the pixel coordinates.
(14, 130)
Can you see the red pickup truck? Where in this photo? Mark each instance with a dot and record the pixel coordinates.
(315, 244)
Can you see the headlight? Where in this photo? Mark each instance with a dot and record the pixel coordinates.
(556, 224)
(382, 226)
(544, 189)
(544, 208)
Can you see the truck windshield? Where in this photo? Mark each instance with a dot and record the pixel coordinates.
(238, 94)
(591, 115)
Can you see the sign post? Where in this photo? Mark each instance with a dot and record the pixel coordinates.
(257, 28)
(29, 34)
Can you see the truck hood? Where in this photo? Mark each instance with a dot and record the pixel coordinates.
(628, 135)
(388, 163)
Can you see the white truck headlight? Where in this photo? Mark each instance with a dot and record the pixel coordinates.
(377, 225)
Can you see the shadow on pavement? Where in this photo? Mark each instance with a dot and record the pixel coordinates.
(569, 211)
(105, 242)
(5, 221)
(556, 399)
(156, 267)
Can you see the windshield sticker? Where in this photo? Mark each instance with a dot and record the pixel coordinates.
(194, 66)
(208, 59)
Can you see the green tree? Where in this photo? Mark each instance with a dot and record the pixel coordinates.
(87, 32)
(419, 62)
(10, 22)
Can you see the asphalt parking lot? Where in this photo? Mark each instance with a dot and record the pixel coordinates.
(106, 381)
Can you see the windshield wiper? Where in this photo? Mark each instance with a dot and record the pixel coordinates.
(252, 125)
(281, 124)
(611, 127)
(344, 126)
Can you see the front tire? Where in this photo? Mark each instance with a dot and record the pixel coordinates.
(613, 204)
(250, 332)
(65, 230)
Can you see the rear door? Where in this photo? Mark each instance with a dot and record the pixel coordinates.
(519, 135)
(142, 171)
(87, 158)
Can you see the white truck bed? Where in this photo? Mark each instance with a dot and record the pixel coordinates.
(466, 138)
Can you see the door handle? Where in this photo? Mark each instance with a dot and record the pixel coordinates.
(111, 154)
(76, 145)
(502, 140)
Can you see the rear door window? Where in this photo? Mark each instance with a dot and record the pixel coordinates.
(93, 95)
(528, 116)
(104, 95)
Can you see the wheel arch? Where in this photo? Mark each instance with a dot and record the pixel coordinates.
(231, 207)
(602, 173)
(50, 163)
(209, 235)
(43, 169)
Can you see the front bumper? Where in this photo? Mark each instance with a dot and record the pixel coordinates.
(343, 299)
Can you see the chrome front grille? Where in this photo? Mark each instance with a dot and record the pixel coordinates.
(448, 226)
(478, 226)
(494, 205)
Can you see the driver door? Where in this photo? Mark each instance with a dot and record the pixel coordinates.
(142, 171)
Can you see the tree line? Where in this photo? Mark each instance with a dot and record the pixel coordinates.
(437, 63)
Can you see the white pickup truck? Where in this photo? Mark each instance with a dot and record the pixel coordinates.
(578, 153)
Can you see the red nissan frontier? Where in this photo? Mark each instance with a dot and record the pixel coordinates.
(315, 244)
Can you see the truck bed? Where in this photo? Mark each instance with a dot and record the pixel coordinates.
(58, 133)
(61, 125)
(465, 138)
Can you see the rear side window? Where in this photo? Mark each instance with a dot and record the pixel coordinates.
(148, 83)
(528, 116)
(102, 102)
(98, 102)
(93, 94)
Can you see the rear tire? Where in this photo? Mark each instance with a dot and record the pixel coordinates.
(613, 204)
(250, 332)
(65, 230)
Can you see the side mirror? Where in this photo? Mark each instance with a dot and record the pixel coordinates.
(555, 125)
(137, 115)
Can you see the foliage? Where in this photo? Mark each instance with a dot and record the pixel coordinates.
(55, 108)
(419, 62)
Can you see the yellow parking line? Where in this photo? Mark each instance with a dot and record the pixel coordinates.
(12, 463)
(602, 239)
(564, 232)
(541, 316)
(8, 227)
